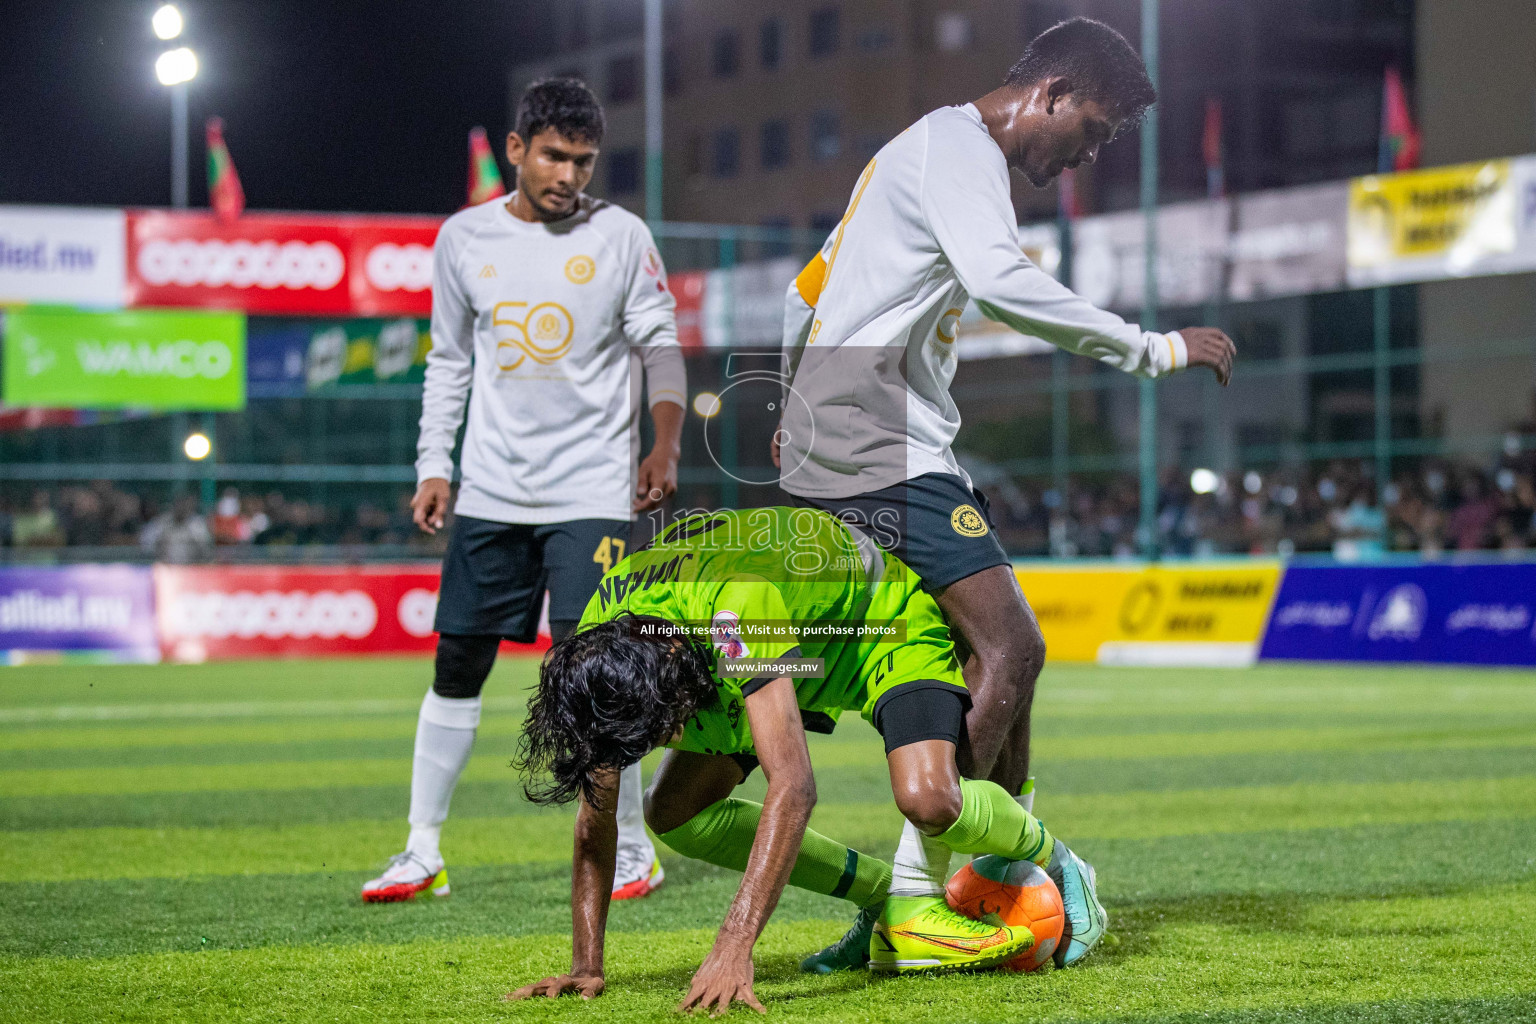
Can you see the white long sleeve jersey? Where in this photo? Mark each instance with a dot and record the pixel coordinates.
(534, 324)
(870, 323)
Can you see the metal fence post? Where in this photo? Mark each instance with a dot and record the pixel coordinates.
(1148, 390)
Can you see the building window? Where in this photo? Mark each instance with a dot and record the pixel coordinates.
(1043, 14)
(623, 79)
(577, 31)
(725, 153)
(622, 19)
(824, 224)
(824, 31)
(624, 172)
(770, 43)
(874, 39)
(775, 144)
(826, 144)
(776, 246)
(952, 31)
(671, 73)
(726, 54)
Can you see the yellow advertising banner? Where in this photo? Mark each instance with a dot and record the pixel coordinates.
(1158, 614)
(1432, 223)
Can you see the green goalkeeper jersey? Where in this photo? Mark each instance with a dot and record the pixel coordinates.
(771, 583)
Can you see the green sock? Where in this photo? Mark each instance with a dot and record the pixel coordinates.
(722, 834)
(991, 821)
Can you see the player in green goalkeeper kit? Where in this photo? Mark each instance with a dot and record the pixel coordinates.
(701, 644)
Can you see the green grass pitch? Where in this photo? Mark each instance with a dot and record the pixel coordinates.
(1275, 844)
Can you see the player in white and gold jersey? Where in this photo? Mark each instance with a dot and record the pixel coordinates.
(545, 306)
(870, 333)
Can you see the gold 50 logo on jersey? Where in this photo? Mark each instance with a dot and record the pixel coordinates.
(542, 333)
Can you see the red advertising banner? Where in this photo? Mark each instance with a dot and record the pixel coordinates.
(688, 289)
(217, 613)
(302, 264)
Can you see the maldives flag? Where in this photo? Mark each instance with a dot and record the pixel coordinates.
(484, 176)
(1068, 205)
(224, 191)
(1399, 149)
(1210, 147)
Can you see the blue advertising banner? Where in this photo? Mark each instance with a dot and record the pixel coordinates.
(104, 610)
(1462, 614)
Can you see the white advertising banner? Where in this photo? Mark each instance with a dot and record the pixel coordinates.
(1288, 242)
(744, 305)
(1466, 220)
(67, 255)
(1109, 257)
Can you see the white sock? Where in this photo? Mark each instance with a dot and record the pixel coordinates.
(1026, 797)
(631, 810)
(445, 734)
(921, 866)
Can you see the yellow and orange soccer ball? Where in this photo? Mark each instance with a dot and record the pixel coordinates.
(1020, 895)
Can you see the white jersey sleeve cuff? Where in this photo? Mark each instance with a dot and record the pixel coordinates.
(1177, 350)
(429, 469)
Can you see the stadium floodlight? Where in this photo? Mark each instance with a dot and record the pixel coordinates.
(167, 22)
(176, 67)
(706, 403)
(197, 446)
(1204, 481)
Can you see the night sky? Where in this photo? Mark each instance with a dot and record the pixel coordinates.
(327, 105)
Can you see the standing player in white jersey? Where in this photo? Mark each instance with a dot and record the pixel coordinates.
(870, 333)
(544, 306)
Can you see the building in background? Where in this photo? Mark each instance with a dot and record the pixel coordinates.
(1476, 100)
(773, 109)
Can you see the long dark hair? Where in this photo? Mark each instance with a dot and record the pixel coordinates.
(607, 696)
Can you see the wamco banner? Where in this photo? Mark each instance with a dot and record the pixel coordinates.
(145, 359)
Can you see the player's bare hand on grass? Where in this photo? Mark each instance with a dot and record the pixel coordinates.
(430, 504)
(657, 479)
(586, 986)
(721, 981)
(1208, 346)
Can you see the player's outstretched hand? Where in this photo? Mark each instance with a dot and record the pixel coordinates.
(1208, 346)
(720, 982)
(656, 480)
(586, 986)
(430, 504)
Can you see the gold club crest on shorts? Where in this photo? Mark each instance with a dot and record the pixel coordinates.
(967, 522)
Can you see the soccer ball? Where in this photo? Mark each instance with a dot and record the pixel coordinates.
(1020, 894)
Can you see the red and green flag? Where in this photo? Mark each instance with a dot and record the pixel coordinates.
(1211, 150)
(224, 191)
(484, 176)
(1399, 149)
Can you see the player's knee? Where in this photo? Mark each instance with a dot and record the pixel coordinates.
(663, 813)
(931, 805)
(463, 663)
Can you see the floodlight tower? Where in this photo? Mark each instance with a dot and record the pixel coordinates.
(175, 68)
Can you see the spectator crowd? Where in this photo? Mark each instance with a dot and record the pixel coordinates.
(1333, 508)
(102, 515)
